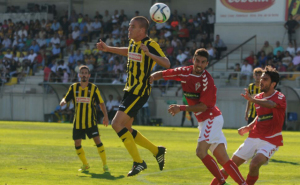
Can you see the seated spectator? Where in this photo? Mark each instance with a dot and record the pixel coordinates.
(41, 41)
(111, 106)
(125, 22)
(234, 75)
(219, 46)
(65, 77)
(78, 56)
(278, 48)
(74, 24)
(55, 39)
(262, 59)
(117, 66)
(96, 26)
(116, 31)
(250, 58)
(211, 51)
(12, 68)
(76, 37)
(184, 33)
(33, 61)
(84, 34)
(55, 25)
(287, 60)
(6, 43)
(181, 56)
(296, 62)
(277, 57)
(267, 49)
(90, 65)
(291, 49)
(34, 46)
(246, 71)
(2, 72)
(162, 41)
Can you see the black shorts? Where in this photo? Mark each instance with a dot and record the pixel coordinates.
(90, 132)
(131, 103)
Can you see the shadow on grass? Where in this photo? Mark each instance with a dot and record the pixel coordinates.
(280, 161)
(105, 175)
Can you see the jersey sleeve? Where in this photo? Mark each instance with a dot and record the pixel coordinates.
(98, 97)
(155, 49)
(208, 95)
(249, 89)
(172, 74)
(280, 101)
(70, 94)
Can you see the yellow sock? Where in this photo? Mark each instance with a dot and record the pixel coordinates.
(130, 145)
(81, 155)
(144, 142)
(64, 117)
(57, 115)
(102, 153)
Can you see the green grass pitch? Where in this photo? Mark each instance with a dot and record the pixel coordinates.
(44, 153)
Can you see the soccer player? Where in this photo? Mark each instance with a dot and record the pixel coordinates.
(253, 90)
(142, 53)
(200, 91)
(85, 96)
(265, 131)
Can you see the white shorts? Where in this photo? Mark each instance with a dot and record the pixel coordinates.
(211, 132)
(252, 146)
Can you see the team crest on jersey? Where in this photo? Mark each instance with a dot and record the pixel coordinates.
(197, 86)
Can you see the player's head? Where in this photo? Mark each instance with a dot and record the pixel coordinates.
(84, 73)
(200, 61)
(138, 28)
(257, 72)
(269, 79)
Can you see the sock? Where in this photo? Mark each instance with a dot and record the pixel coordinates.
(251, 179)
(212, 166)
(144, 142)
(57, 115)
(234, 172)
(81, 155)
(64, 117)
(130, 145)
(102, 153)
(215, 180)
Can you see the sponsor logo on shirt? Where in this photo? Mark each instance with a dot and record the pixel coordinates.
(82, 100)
(137, 57)
(265, 117)
(191, 95)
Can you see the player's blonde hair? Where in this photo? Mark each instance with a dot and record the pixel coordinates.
(258, 70)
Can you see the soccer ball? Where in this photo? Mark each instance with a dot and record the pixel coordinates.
(160, 12)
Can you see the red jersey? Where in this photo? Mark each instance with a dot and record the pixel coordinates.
(268, 125)
(196, 89)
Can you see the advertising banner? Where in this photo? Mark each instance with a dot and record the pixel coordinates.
(234, 11)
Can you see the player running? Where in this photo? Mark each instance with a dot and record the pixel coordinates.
(265, 131)
(200, 91)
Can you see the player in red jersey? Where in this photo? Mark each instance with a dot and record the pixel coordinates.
(200, 91)
(265, 131)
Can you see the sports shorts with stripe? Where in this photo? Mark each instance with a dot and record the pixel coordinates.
(211, 132)
(131, 103)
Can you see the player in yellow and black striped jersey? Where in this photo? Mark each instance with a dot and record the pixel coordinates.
(142, 53)
(253, 89)
(85, 96)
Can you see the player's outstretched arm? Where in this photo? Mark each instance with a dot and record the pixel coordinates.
(162, 61)
(174, 109)
(155, 76)
(117, 50)
(105, 119)
(262, 102)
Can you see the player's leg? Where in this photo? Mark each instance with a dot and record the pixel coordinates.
(157, 151)
(192, 120)
(265, 151)
(100, 147)
(229, 165)
(78, 135)
(208, 161)
(183, 118)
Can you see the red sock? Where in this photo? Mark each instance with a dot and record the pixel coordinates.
(215, 180)
(234, 172)
(251, 179)
(212, 166)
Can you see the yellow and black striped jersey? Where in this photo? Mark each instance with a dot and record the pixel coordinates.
(85, 100)
(139, 66)
(253, 90)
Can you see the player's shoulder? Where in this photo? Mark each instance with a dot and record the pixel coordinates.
(279, 95)
(259, 95)
(251, 84)
(74, 84)
(93, 85)
(207, 75)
